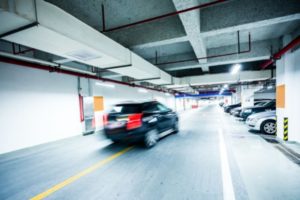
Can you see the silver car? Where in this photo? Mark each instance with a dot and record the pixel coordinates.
(264, 122)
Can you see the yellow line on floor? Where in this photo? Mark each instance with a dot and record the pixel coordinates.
(79, 175)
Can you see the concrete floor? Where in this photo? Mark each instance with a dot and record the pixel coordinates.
(213, 157)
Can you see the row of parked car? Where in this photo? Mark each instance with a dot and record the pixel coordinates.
(260, 117)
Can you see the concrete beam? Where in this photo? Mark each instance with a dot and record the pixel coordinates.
(243, 76)
(260, 51)
(244, 14)
(191, 24)
(160, 43)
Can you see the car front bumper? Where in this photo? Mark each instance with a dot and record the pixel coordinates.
(253, 125)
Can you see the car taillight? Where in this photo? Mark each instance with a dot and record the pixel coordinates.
(105, 119)
(134, 121)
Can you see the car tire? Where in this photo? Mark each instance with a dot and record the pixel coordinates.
(151, 138)
(268, 127)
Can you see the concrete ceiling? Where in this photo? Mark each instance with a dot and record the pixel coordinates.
(165, 50)
(120, 12)
(258, 34)
(206, 32)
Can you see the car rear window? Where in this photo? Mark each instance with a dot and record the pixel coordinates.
(126, 109)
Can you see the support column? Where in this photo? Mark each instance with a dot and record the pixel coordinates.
(287, 93)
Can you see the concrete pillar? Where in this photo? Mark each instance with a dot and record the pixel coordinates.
(287, 93)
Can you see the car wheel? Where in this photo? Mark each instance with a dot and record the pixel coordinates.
(268, 127)
(151, 138)
(176, 127)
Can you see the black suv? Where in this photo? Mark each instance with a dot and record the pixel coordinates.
(145, 121)
(271, 105)
(228, 108)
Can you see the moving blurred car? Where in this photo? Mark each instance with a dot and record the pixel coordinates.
(264, 122)
(145, 121)
(271, 105)
(232, 106)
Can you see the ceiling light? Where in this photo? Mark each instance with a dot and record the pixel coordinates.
(222, 90)
(236, 68)
(105, 84)
(225, 86)
(142, 90)
(167, 94)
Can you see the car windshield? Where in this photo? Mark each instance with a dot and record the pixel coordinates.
(126, 109)
(270, 103)
(261, 103)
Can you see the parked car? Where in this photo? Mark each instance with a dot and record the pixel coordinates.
(264, 122)
(237, 111)
(232, 106)
(144, 121)
(271, 105)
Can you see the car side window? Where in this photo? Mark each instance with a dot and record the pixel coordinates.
(162, 108)
(152, 107)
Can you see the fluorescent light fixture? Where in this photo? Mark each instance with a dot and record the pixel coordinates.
(105, 85)
(236, 68)
(142, 90)
(225, 86)
(270, 87)
(222, 90)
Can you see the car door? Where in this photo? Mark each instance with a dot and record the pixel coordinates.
(167, 116)
(271, 106)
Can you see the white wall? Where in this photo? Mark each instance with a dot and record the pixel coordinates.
(120, 93)
(247, 94)
(288, 73)
(265, 95)
(36, 107)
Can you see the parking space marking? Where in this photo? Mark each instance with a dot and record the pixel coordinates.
(80, 174)
(228, 191)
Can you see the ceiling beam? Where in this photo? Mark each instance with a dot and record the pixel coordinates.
(243, 76)
(260, 51)
(160, 43)
(191, 24)
(246, 15)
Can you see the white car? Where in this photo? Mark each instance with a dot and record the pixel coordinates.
(264, 122)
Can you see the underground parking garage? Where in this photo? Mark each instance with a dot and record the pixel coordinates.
(139, 99)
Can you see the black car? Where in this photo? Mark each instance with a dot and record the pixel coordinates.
(271, 105)
(232, 106)
(135, 122)
(237, 111)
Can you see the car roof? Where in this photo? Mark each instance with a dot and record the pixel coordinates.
(135, 102)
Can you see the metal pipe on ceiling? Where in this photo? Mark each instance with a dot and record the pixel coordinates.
(281, 52)
(162, 16)
(215, 56)
(53, 68)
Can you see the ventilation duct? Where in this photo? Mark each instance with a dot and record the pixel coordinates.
(43, 26)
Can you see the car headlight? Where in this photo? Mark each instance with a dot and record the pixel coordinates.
(254, 120)
(247, 111)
